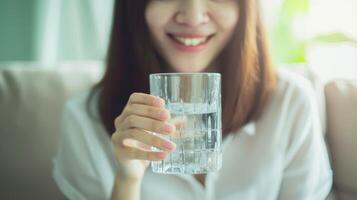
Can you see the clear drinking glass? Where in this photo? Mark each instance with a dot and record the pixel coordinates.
(194, 100)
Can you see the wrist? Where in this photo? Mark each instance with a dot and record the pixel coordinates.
(126, 188)
(127, 179)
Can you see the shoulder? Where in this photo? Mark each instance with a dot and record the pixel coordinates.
(78, 101)
(81, 113)
(292, 98)
(83, 104)
(80, 119)
(293, 87)
(75, 168)
(291, 112)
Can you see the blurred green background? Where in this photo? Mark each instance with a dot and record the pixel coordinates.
(48, 31)
(17, 30)
(20, 21)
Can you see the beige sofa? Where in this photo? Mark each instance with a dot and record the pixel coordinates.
(32, 97)
(31, 100)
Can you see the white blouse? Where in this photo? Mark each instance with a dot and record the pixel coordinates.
(280, 156)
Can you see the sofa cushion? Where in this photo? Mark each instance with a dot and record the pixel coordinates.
(341, 103)
(31, 101)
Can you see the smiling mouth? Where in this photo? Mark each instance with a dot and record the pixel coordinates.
(190, 41)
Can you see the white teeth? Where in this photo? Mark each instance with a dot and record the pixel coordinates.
(190, 42)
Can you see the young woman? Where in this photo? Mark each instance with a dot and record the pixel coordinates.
(273, 147)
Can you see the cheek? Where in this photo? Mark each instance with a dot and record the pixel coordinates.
(156, 17)
(227, 20)
(151, 18)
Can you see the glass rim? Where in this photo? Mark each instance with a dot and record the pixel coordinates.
(186, 73)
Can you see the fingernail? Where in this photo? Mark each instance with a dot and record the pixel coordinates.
(158, 102)
(163, 114)
(167, 128)
(169, 146)
(161, 155)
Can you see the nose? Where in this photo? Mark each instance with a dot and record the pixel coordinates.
(192, 13)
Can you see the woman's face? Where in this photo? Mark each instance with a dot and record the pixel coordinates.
(189, 34)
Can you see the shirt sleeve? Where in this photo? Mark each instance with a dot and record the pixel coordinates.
(307, 173)
(74, 167)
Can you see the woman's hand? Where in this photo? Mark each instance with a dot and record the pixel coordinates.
(133, 139)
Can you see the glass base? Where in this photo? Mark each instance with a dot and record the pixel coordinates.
(189, 162)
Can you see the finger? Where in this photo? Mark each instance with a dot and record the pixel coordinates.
(136, 144)
(121, 141)
(141, 98)
(117, 138)
(137, 154)
(146, 99)
(135, 121)
(149, 139)
(146, 111)
(143, 146)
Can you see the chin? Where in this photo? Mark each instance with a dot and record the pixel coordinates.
(189, 68)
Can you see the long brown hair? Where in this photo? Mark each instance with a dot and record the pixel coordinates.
(245, 66)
